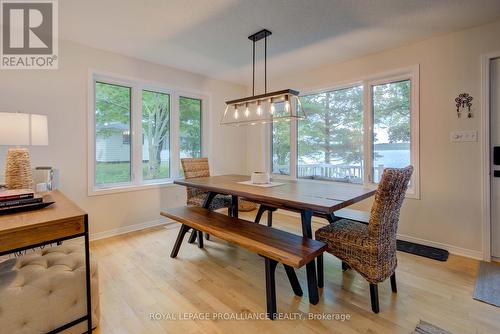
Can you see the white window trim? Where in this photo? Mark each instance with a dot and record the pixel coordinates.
(137, 86)
(412, 73)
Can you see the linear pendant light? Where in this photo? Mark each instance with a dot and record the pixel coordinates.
(282, 105)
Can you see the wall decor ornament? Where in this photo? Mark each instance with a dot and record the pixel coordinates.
(463, 101)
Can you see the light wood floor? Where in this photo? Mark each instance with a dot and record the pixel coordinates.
(137, 278)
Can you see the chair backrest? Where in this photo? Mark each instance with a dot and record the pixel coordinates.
(384, 216)
(195, 167)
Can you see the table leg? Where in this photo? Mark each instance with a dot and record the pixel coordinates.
(312, 284)
(87, 276)
(234, 206)
(206, 204)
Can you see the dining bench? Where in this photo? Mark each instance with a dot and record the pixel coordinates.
(275, 246)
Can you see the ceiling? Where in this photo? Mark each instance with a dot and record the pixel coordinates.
(210, 36)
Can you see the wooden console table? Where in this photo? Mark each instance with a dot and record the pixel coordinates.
(61, 221)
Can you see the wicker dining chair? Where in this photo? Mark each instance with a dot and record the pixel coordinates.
(370, 249)
(199, 167)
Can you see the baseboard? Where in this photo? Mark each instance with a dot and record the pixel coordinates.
(478, 255)
(129, 228)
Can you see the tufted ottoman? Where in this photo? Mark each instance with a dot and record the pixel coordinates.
(44, 290)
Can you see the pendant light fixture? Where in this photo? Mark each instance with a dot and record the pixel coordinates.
(282, 105)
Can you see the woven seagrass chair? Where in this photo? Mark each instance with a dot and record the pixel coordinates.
(199, 167)
(370, 249)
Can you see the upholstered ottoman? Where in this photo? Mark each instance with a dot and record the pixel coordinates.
(45, 289)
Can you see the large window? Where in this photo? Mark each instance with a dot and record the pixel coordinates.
(112, 127)
(352, 133)
(330, 139)
(140, 132)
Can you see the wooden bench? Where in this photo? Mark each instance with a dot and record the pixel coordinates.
(274, 245)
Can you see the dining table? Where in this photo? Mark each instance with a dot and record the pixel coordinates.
(306, 197)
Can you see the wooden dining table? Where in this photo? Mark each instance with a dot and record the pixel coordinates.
(303, 196)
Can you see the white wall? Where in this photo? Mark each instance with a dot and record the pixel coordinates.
(62, 95)
(449, 211)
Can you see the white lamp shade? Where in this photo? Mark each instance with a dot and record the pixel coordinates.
(14, 129)
(23, 129)
(39, 130)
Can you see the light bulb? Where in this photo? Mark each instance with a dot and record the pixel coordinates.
(272, 109)
(236, 113)
(247, 112)
(287, 104)
(259, 109)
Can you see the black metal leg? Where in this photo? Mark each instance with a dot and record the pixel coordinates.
(321, 274)
(393, 283)
(200, 239)
(331, 218)
(294, 281)
(374, 297)
(259, 213)
(270, 218)
(345, 266)
(178, 241)
(192, 237)
(306, 216)
(270, 287)
(234, 206)
(206, 204)
(312, 284)
(87, 276)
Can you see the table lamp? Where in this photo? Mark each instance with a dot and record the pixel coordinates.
(21, 130)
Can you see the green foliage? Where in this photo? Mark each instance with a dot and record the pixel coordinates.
(333, 129)
(112, 105)
(281, 146)
(190, 127)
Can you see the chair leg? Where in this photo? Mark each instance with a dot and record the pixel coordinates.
(207, 236)
(270, 218)
(374, 297)
(345, 266)
(192, 237)
(393, 283)
(259, 213)
(178, 241)
(312, 284)
(294, 281)
(200, 239)
(271, 287)
(321, 274)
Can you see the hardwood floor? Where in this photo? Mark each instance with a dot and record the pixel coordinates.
(138, 278)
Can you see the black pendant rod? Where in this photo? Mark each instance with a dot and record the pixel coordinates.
(265, 65)
(263, 34)
(253, 68)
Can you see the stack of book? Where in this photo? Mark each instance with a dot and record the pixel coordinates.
(18, 199)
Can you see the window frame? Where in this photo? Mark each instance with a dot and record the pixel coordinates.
(137, 86)
(409, 73)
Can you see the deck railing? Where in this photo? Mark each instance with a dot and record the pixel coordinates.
(345, 173)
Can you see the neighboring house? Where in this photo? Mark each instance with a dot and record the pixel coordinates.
(114, 145)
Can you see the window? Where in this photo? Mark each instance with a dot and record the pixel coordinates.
(189, 127)
(330, 139)
(139, 133)
(156, 134)
(352, 133)
(391, 126)
(112, 121)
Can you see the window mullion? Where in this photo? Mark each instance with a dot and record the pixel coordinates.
(293, 148)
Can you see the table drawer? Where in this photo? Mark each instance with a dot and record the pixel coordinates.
(39, 234)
